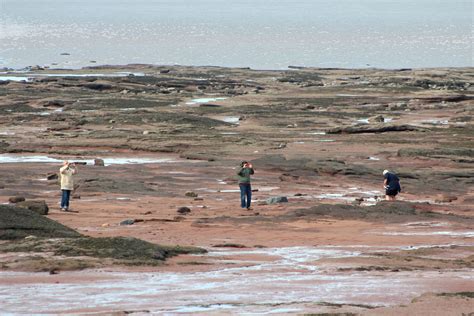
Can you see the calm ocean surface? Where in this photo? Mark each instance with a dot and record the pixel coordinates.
(262, 34)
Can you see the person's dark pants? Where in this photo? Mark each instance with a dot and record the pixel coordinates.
(65, 198)
(391, 192)
(245, 195)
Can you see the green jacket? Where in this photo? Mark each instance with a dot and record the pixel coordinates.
(243, 174)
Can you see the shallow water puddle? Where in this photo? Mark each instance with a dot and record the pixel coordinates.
(14, 78)
(32, 76)
(435, 122)
(289, 277)
(453, 234)
(204, 100)
(228, 119)
(8, 158)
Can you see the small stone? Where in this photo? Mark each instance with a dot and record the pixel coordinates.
(127, 222)
(105, 225)
(99, 162)
(184, 210)
(146, 132)
(76, 196)
(191, 194)
(16, 199)
(198, 199)
(112, 121)
(277, 199)
(52, 176)
(30, 237)
(54, 271)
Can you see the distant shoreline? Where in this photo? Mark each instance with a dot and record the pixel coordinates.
(8, 70)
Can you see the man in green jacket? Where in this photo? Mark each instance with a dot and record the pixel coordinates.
(244, 172)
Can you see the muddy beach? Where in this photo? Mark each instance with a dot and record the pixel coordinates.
(172, 137)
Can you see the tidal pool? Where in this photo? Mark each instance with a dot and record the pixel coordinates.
(8, 158)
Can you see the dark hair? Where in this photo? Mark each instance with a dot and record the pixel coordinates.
(243, 162)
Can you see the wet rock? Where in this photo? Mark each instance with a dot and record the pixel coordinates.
(18, 223)
(52, 104)
(165, 71)
(209, 105)
(367, 129)
(197, 156)
(229, 245)
(16, 199)
(436, 152)
(99, 162)
(191, 194)
(277, 199)
(300, 194)
(52, 176)
(39, 207)
(385, 211)
(184, 210)
(98, 86)
(288, 177)
(127, 222)
(445, 198)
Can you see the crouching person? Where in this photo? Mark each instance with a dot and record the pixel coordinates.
(391, 184)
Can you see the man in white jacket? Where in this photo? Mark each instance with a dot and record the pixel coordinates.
(67, 184)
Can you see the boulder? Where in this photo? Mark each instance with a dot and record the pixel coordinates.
(18, 223)
(99, 162)
(98, 86)
(184, 210)
(39, 207)
(16, 199)
(277, 199)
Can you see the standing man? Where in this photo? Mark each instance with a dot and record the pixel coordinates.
(244, 172)
(67, 184)
(391, 184)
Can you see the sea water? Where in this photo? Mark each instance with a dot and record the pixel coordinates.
(262, 34)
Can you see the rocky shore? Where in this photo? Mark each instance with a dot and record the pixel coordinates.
(156, 149)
